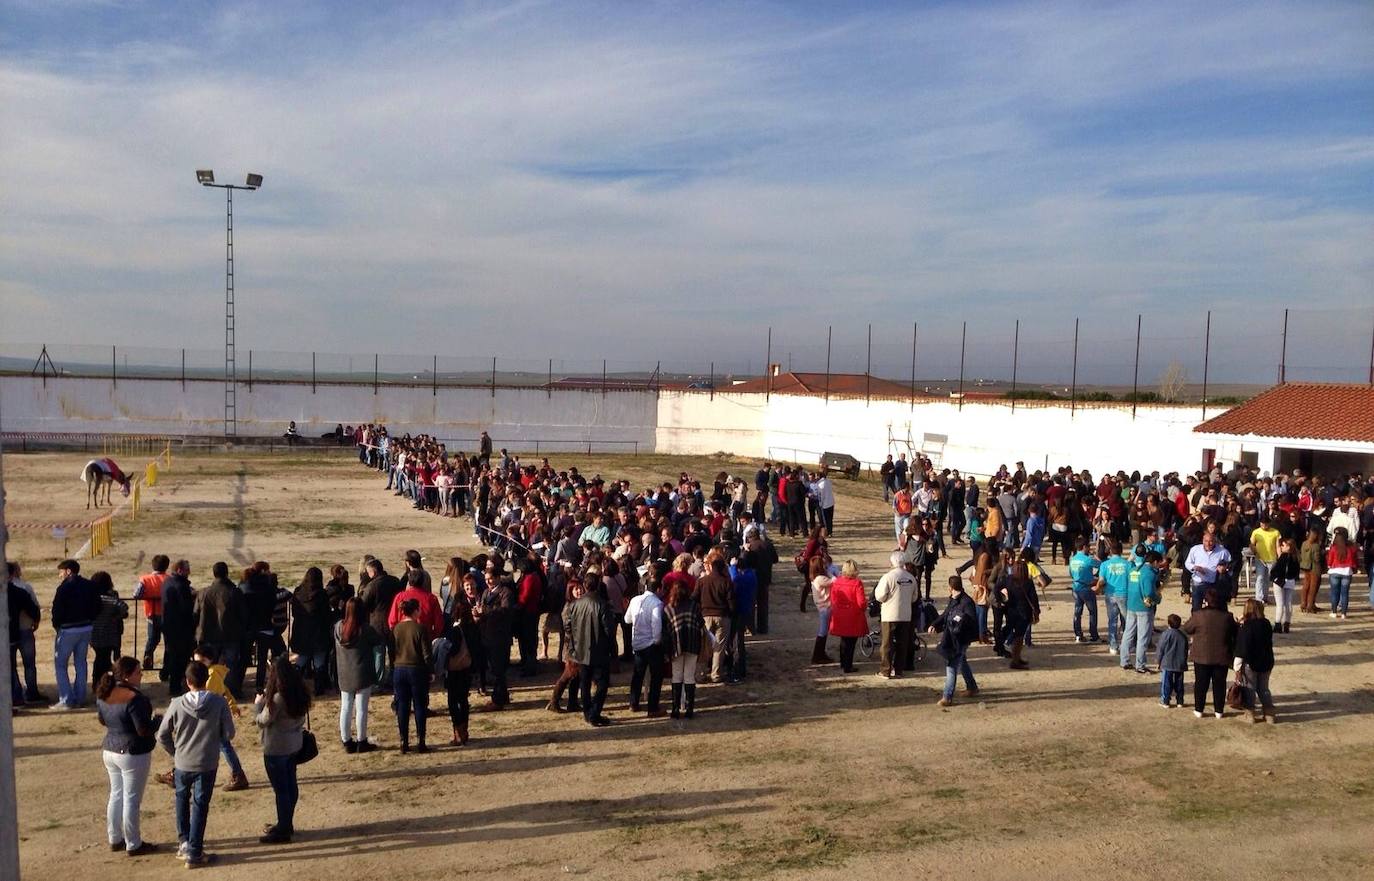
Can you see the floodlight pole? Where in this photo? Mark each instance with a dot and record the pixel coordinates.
(231, 426)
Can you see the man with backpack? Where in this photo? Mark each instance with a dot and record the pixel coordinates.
(958, 627)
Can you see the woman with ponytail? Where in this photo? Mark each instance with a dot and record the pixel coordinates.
(130, 729)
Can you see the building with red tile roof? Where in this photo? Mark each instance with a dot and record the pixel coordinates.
(1316, 427)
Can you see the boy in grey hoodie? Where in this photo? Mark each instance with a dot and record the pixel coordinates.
(195, 725)
(1173, 661)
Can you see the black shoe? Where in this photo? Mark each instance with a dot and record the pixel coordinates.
(116, 846)
(350, 746)
(366, 746)
(143, 849)
(405, 747)
(421, 748)
(601, 721)
(275, 836)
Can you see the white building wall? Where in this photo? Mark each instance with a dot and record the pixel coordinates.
(513, 416)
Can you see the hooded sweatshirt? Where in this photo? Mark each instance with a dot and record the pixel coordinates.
(193, 728)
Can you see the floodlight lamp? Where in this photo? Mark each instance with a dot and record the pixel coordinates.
(255, 180)
(205, 176)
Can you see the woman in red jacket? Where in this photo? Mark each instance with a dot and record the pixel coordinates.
(1340, 568)
(848, 612)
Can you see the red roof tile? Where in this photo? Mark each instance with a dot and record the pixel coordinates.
(1313, 410)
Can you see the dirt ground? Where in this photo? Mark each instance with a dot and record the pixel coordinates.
(1070, 770)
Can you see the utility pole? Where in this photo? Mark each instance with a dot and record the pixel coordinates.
(9, 809)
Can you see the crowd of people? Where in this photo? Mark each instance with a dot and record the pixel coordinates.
(668, 582)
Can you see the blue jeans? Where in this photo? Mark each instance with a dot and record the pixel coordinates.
(281, 773)
(412, 694)
(1137, 636)
(193, 791)
(1116, 620)
(1340, 593)
(226, 749)
(1170, 685)
(823, 626)
(71, 646)
(154, 635)
(1083, 597)
(953, 668)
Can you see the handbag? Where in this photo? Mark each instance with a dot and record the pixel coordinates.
(461, 659)
(310, 748)
(1235, 692)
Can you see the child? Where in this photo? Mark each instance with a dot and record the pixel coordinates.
(209, 656)
(1173, 660)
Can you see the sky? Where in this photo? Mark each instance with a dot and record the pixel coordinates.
(659, 181)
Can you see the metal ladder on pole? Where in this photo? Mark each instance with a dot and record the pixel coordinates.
(231, 428)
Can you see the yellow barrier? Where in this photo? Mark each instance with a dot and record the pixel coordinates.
(102, 538)
(150, 473)
(135, 499)
(167, 455)
(134, 444)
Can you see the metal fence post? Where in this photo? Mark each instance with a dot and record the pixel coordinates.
(768, 368)
(493, 376)
(250, 370)
(914, 325)
(603, 388)
(114, 369)
(376, 363)
(1073, 385)
(549, 386)
(312, 373)
(1015, 361)
(713, 381)
(868, 370)
(963, 339)
(434, 386)
(828, 331)
(1206, 361)
(1135, 376)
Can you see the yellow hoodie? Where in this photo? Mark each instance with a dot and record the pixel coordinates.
(216, 685)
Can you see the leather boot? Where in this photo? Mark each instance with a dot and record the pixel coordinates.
(818, 651)
(804, 592)
(237, 782)
(1016, 662)
(677, 700)
(691, 691)
(463, 734)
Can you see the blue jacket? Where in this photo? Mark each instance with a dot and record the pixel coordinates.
(1082, 570)
(1173, 650)
(1035, 533)
(746, 591)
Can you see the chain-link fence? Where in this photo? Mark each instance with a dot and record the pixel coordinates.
(1174, 358)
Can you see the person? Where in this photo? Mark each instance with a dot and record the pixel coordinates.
(1034, 535)
(355, 643)
(825, 497)
(1208, 565)
(1264, 544)
(958, 627)
(820, 579)
(1022, 610)
(901, 509)
(1142, 595)
(1213, 633)
(127, 750)
(431, 615)
(716, 593)
(311, 627)
(378, 592)
(178, 626)
(592, 630)
(494, 615)
(1113, 578)
(848, 612)
(281, 711)
(685, 629)
(570, 677)
(1284, 577)
(1341, 567)
(1310, 560)
(74, 609)
(219, 622)
(1255, 660)
(746, 587)
(24, 615)
(484, 450)
(261, 641)
(209, 656)
(1083, 572)
(896, 590)
(149, 590)
(455, 666)
(645, 617)
(1173, 662)
(107, 631)
(885, 471)
(411, 676)
(529, 597)
(196, 724)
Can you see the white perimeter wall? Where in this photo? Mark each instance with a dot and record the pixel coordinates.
(144, 406)
(981, 436)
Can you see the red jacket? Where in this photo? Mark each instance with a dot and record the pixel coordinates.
(531, 593)
(431, 615)
(848, 607)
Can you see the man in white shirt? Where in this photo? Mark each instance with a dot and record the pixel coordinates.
(645, 617)
(1206, 563)
(825, 498)
(1345, 515)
